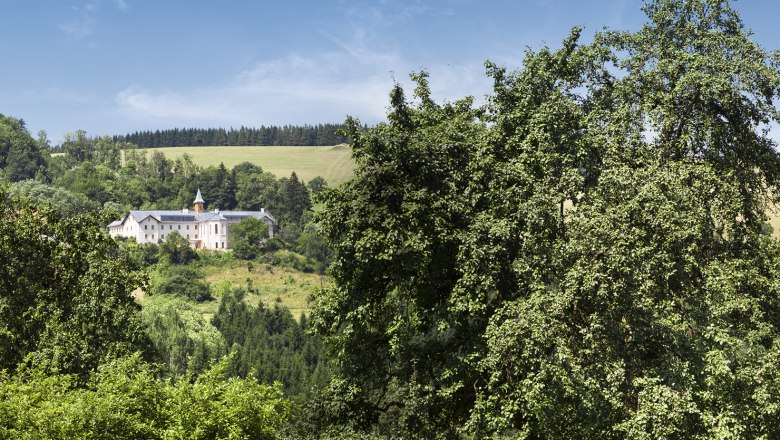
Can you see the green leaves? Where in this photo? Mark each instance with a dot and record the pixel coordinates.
(20, 156)
(64, 290)
(124, 400)
(247, 237)
(581, 257)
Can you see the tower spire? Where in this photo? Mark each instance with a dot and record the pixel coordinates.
(198, 202)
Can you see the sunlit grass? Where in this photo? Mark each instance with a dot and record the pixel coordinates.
(333, 163)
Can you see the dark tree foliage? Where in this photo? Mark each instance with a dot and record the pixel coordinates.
(64, 290)
(21, 157)
(470, 300)
(181, 281)
(176, 249)
(311, 244)
(317, 185)
(223, 185)
(256, 189)
(271, 345)
(295, 199)
(398, 321)
(95, 181)
(321, 134)
(247, 237)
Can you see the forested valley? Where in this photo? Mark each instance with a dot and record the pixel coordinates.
(584, 255)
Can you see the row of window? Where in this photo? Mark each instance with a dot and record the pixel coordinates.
(169, 227)
(162, 237)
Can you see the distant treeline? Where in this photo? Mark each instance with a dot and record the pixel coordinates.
(321, 134)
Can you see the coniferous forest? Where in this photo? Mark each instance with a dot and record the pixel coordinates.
(289, 135)
(585, 255)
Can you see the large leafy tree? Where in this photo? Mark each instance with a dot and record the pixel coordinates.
(663, 320)
(21, 157)
(176, 249)
(396, 230)
(650, 307)
(65, 289)
(247, 237)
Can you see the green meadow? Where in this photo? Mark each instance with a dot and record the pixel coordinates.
(333, 163)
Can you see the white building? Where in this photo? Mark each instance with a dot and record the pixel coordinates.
(204, 229)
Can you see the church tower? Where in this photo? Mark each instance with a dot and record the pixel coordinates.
(198, 202)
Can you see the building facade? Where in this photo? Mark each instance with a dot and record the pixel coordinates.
(204, 229)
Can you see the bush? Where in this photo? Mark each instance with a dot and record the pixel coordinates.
(291, 260)
(274, 244)
(176, 249)
(181, 281)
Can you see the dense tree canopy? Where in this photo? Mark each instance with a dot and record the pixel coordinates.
(176, 249)
(247, 237)
(64, 290)
(649, 307)
(269, 344)
(64, 202)
(125, 400)
(21, 157)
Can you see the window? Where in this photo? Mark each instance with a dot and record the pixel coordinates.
(178, 227)
(162, 237)
(196, 236)
(152, 236)
(170, 227)
(188, 227)
(152, 227)
(146, 236)
(223, 245)
(188, 235)
(216, 229)
(145, 226)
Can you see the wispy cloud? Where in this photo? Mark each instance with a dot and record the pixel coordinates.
(353, 78)
(83, 23)
(298, 89)
(85, 18)
(294, 89)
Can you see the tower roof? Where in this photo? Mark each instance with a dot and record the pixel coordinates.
(198, 198)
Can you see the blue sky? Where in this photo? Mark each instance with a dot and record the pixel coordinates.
(116, 66)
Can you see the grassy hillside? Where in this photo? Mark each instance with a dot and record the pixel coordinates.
(269, 284)
(334, 164)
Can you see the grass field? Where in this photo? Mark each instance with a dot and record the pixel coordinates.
(334, 164)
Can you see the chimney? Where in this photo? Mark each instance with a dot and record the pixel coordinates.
(185, 211)
(216, 210)
(262, 210)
